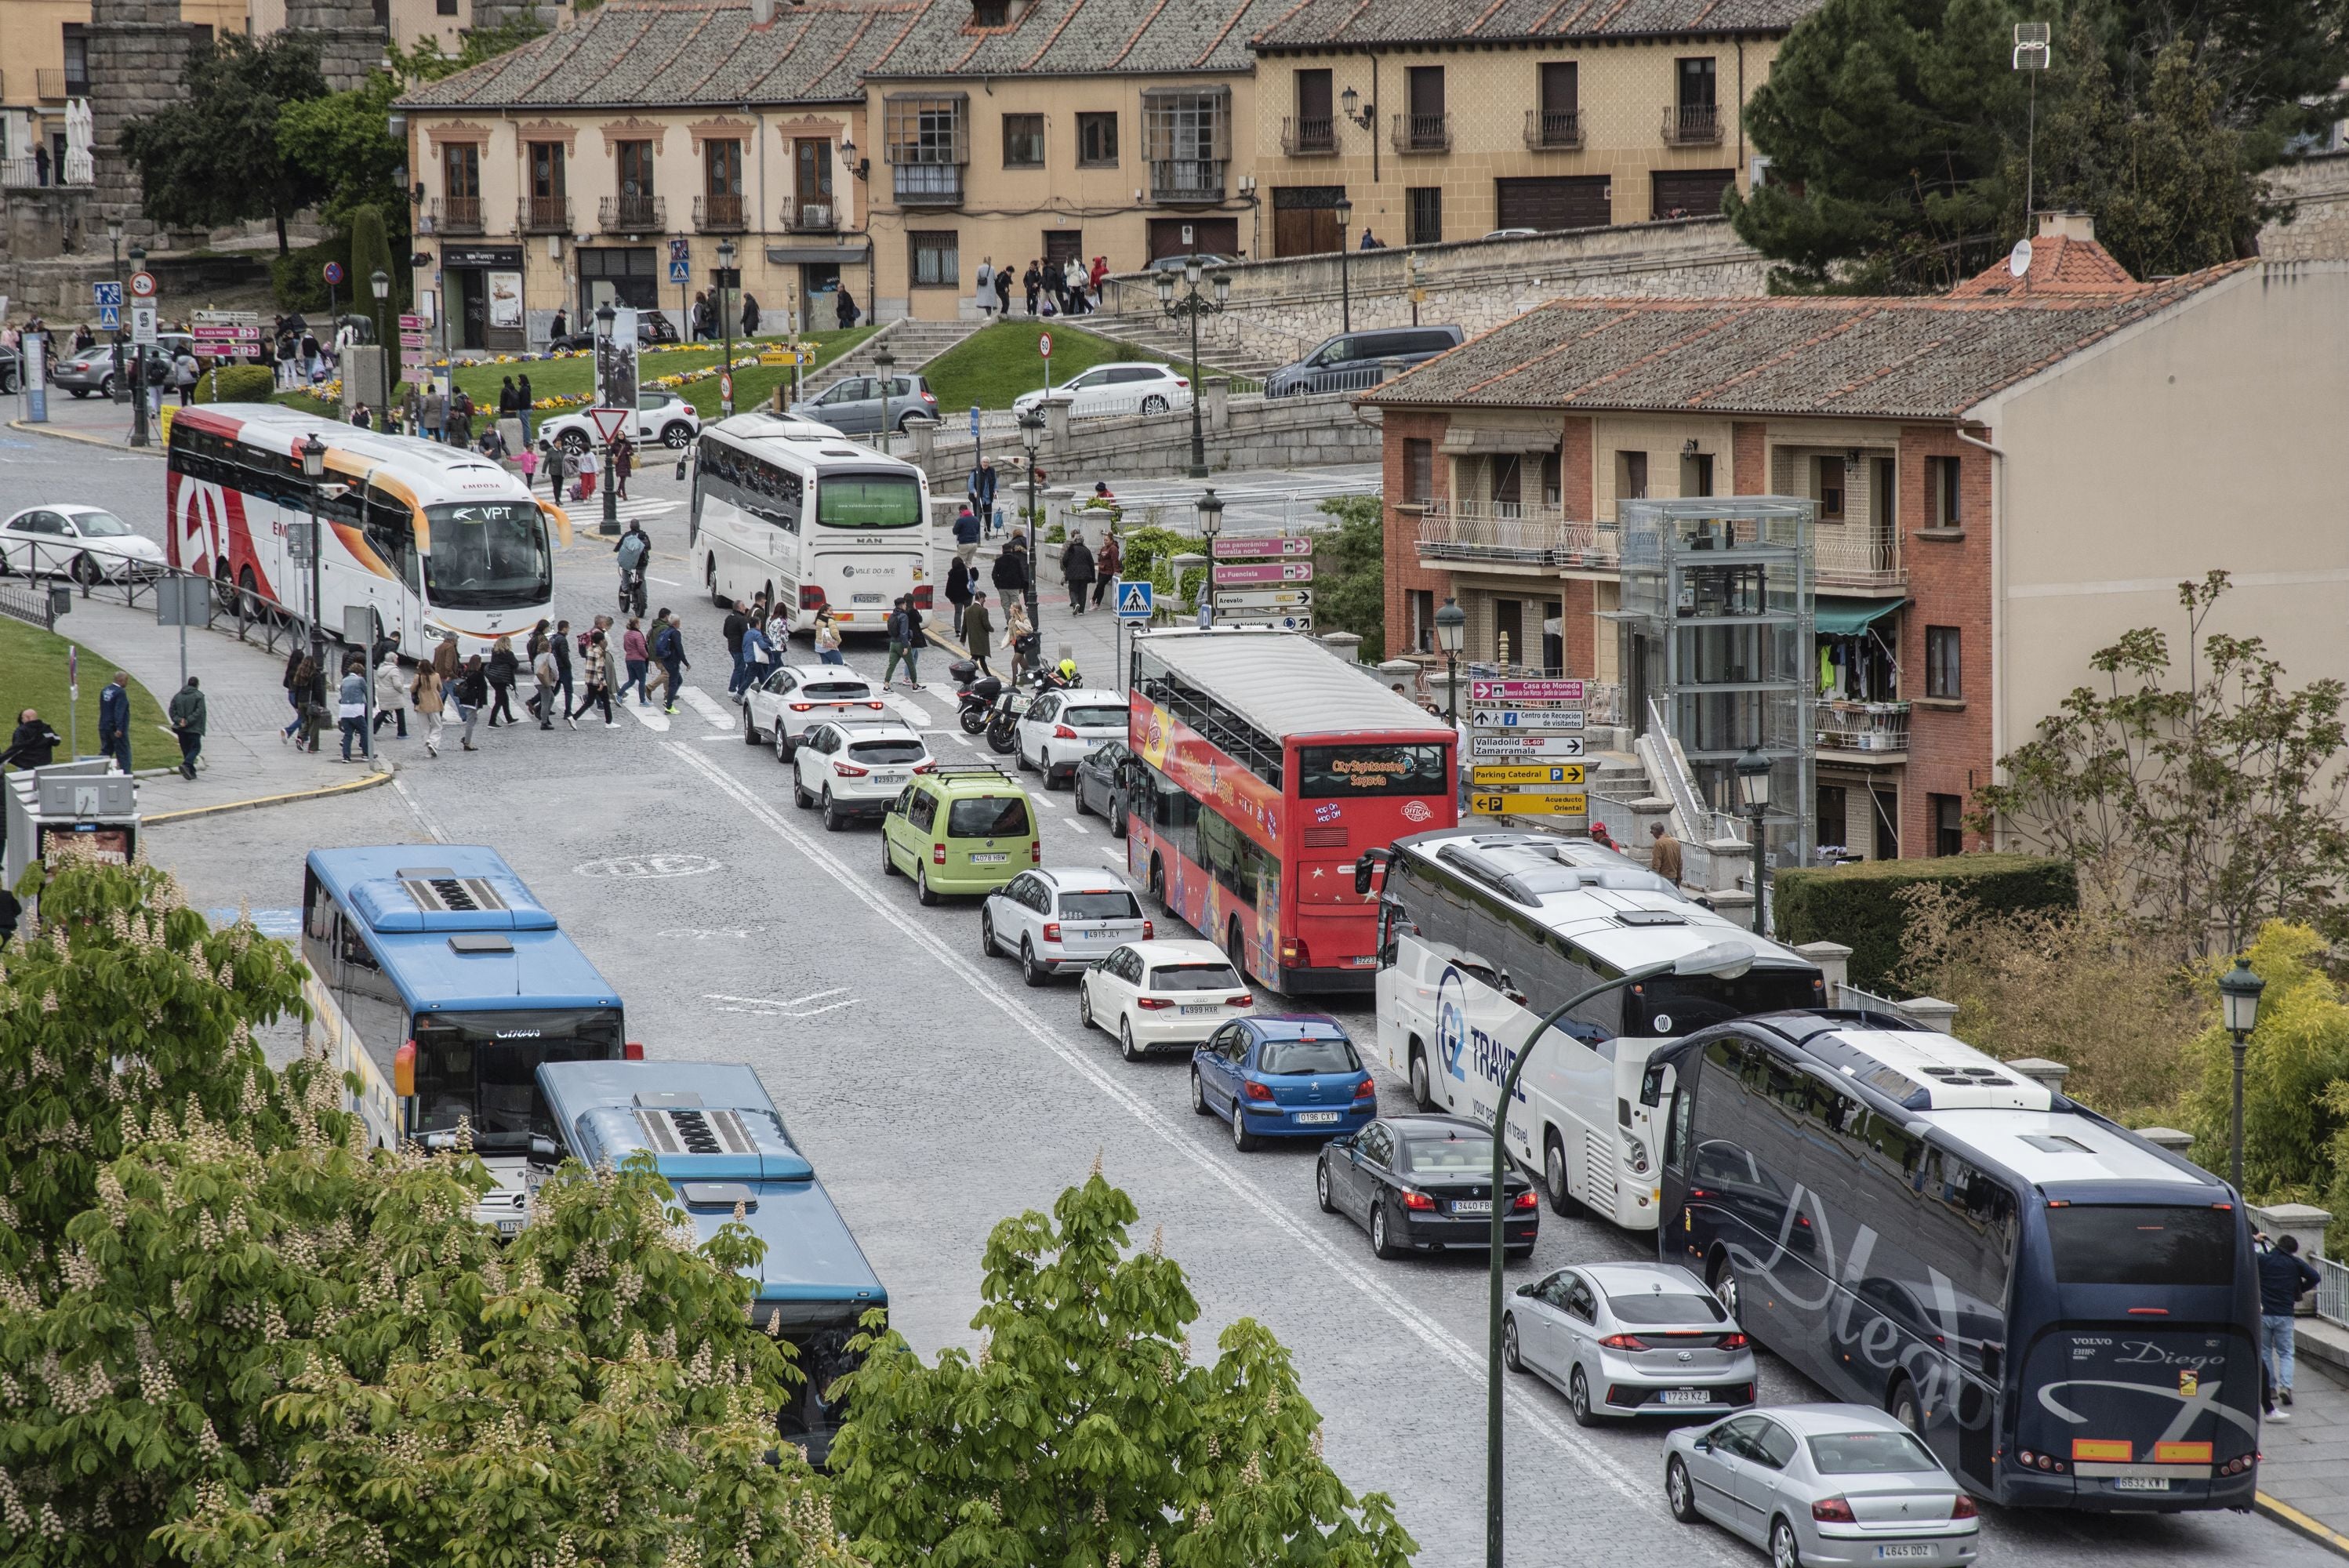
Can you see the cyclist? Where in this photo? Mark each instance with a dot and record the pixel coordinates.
(634, 550)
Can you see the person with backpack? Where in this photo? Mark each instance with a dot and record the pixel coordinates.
(2285, 1278)
(669, 647)
(634, 550)
(504, 668)
(595, 667)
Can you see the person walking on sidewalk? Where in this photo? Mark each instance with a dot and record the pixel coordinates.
(905, 643)
(635, 653)
(2285, 1278)
(1011, 576)
(959, 591)
(544, 671)
(1108, 562)
(425, 694)
(114, 720)
(296, 682)
(472, 696)
(980, 495)
(350, 709)
(388, 704)
(978, 629)
(1076, 569)
(504, 670)
(187, 717)
(737, 617)
(966, 535)
(827, 638)
(669, 647)
(1664, 856)
(595, 673)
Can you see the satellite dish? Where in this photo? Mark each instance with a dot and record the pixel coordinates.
(2018, 262)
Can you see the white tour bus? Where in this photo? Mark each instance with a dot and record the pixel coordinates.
(1485, 933)
(801, 513)
(436, 538)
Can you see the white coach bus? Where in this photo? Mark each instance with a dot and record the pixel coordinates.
(1485, 933)
(800, 512)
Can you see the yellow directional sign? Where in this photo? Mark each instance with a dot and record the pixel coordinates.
(1493, 776)
(778, 357)
(1518, 804)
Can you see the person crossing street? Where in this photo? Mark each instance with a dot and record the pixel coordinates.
(669, 647)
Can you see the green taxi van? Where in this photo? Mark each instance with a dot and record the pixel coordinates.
(964, 828)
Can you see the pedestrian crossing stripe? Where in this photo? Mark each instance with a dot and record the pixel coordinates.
(652, 718)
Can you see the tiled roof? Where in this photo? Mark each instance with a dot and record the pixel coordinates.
(2059, 265)
(656, 53)
(1871, 358)
(1325, 24)
(1081, 38)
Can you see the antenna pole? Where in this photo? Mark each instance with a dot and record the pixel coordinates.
(2031, 157)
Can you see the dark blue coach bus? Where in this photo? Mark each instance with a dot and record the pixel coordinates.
(2065, 1313)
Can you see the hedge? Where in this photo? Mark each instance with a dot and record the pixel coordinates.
(236, 384)
(1859, 904)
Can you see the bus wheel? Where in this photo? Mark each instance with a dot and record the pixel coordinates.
(1904, 1405)
(1158, 879)
(1235, 945)
(1420, 1094)
(709, 579)
(1554, 1179)
(1722, 1280)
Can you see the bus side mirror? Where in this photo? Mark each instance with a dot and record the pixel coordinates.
(681, 468)
(1362, 875)
(1655, 1085)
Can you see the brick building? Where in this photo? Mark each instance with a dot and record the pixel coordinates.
(2006, 479)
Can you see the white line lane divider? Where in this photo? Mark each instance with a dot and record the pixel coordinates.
(1640, 1489)
(708, 706)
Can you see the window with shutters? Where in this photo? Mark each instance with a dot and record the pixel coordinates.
(1418, 470)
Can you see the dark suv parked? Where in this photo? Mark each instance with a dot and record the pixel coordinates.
(1351, 361)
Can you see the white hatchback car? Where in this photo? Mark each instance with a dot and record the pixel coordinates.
(662, 417)
(1061, 727)
(87, 544)
(787, 700)
(1107, 389)
(1162, 996)
(853, 767)
(1057, 918)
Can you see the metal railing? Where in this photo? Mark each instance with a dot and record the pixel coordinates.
(720, 212)
(545, 214)
(1502, 532)
(1553, 128)
(1862, 725)
(818, 217)
(1309, 135)
(1851, 996)
(1693, 125)
(1661, 753)
(927, 184)
(1422, 132)
(456, 214)
(636, 214)
(2332, 1290)
(1186, 180)
(1856, 556)
(245, 613)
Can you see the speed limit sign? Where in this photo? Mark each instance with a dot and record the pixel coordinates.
(1043, 341)
(726, 385)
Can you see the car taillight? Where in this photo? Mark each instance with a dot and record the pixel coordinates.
(921, 595)
(875, 707)
(634, 1051)
(1525, 1200)
(1734, 1341)
(403, 1069)
(1051, 931)
(1062, 732)
(1147, 929)
(1035, 851)
(849, 771)
(1833, 1511)
(1964, 1507)
(1154, 1003)
(810, 596)
(1624, 1342)
(1366, 1090)
(1417, 1201)
(1256, 1091)
(1247, 1001)
(937, 854)
(803, 707)
(925, 767)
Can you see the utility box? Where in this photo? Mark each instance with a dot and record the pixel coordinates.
(86, 802)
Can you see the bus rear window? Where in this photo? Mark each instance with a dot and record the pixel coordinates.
(1343, 772)
(2100, 1245)
(1676, 1004)
(986, 817)
(868, 500)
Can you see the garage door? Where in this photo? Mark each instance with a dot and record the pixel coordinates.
(1579, 201)
(1209, 236)
(1690, 192)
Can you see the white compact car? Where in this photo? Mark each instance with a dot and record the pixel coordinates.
(787, 700)
(1061, 727)
(87, 544)
(662, 417)
(853, 767)
(1107, 389)
(1055, 919)
(1162, 996)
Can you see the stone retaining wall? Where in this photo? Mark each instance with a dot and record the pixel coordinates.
(1241, 433)
(2318, 194)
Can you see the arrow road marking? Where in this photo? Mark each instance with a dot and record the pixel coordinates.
(769, 1007)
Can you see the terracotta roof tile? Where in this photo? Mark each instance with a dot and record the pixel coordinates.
(2060, 265)
(1310, 24)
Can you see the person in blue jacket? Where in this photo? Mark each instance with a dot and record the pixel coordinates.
(114, 720)
(2285, 1278)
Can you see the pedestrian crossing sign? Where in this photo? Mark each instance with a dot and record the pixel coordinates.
(1136, 601)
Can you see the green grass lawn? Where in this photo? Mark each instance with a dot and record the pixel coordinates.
(33, 674)
(997, 364)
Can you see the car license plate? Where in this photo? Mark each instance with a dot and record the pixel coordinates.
(1473, 1206)
(513, 1228)
(889, 775)
(1192, 1012)
(1317, 1118)
(1687, 1396)
(995, 858)
(1367, 961)
(1913, 1549)
(2140, 1483)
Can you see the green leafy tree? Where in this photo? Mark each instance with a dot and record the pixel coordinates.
(341, 143)
(427, 62)
(1350, 572)
(215, 157)
(2295, 1075)
(1083, 1433)
(2203, 808)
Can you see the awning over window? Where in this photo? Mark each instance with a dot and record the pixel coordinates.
(1848, 617)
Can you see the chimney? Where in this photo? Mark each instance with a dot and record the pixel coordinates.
(762, 13)
(2072, 225)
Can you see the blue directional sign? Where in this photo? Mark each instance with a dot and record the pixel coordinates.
(108, 294)
(1136, 601)
(974, 421)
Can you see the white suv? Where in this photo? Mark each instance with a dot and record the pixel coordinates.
(787, 701)
(1061, 727)
(661, 417)
(853, 767)
(1055, 919)
(1112, 389)
(1153, 996)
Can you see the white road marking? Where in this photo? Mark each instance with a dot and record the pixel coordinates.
(770, 1007)
(1077, 827)
(717, 739)
(664, 581)
(652, 718)
(416, 809)
(911, 711)
(1113, 857)
(702, 703)
(960, 739)
(1638, 1489)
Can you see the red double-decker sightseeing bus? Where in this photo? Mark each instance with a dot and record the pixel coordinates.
(1264, 764)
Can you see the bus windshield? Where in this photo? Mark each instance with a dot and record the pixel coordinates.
(487, 555)
(483, 1068)
(868, 500)
(2142, 1246)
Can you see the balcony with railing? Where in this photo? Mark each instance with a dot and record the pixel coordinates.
(456, 215)
(51, 83)
(1506, 534)
(1178, 181)
(1877, 730)
(1854, 555)
(27, 172)
(1309, 135)
(544, 215)
(636, 214)
(721, 213)
(1422, 132)
(1691, 125)
(816, 216)
(1553, 129)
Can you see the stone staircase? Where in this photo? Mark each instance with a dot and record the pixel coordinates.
(1172, 341)
(913, 344)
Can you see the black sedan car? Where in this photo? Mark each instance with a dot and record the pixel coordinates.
(1100, 784)
(652, 327)
(1423, 1183)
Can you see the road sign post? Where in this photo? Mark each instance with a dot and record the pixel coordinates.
(182, 602)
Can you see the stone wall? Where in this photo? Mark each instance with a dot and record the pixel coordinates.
(59, 287)
(137, 50)
(350, 42)
(2317, 192)
(1282, 308)
(1241, 434)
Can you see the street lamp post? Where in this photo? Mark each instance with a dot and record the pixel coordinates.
(1031, 438)
(606, 318)
(885, 362)
(138, 372)
(2239, 995)
(1754, 789)
(1194, 304)
(1211, 523)
(1345, 289)
(379, 282)
(1725, 959)
(1451, 632)
(314, 471)
(725, 282)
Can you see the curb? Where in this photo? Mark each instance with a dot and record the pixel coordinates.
(2300, 1524)
(350, 787)
(32, 429)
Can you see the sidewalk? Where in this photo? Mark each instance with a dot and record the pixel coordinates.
(2306, 1459)
(90, 419)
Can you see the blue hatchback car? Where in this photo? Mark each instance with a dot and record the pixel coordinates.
(1282, 1075)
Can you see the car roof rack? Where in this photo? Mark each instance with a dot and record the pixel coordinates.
(972, 770)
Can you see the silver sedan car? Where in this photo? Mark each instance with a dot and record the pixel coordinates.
(1823, 1485)
(1630, 1339)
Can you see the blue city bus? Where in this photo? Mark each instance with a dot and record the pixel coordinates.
(715, 1135)
(2065, 1313)
(438, 984)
